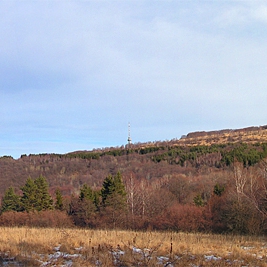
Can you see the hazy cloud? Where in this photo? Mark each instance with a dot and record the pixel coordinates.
(73, 73)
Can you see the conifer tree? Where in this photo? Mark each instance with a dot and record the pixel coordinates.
(119, 186)
(86, 192)
(35, 195)
(43, 200)
(59, 200)
(84, 208)
(218, 189)
(28, 199)
(114, 200)
(10, 201)
(107, 188)
(113, 191)
(198, 201)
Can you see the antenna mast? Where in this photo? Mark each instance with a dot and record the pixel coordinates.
(129, 134)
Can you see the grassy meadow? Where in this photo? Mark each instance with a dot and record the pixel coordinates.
(84, 247)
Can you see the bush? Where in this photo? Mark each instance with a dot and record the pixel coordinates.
(48, 218)
(188, 218)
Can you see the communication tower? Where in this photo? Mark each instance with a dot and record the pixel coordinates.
(129, 135)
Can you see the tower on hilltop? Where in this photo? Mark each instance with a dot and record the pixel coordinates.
(129, 135)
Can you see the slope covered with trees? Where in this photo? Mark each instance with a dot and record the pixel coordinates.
(161, 185)
(151, 161)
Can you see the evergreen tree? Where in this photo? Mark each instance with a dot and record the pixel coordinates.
(59, 200)
(198, 201)
(108, 189)
(86, 193)
(84, 208)
(114, 202)
(113, 191)
(218, 189)
(35, 195)
(28, 198)
(10, 201)
(43, 200)
(119, 186)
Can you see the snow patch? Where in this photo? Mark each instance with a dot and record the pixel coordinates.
(211, 257)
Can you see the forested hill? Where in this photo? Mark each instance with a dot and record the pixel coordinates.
(199, 153)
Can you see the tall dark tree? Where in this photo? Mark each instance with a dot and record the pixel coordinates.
(114, 201)
(10, 201)
(107, 189)
(28, 199)
(84, 208)
(87, 193)
(43, 199)
(35, 195)
(113, 191)
(59, 200)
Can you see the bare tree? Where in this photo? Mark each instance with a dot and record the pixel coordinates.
(240, 177)
(251, 183)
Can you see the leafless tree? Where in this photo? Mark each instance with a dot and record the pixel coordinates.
(240, 177)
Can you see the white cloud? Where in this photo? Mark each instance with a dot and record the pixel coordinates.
(260, 13)
(81, 70)
(241, 14)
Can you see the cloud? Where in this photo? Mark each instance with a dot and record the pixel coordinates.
(74, 73)
(260, 13)
(241, 14)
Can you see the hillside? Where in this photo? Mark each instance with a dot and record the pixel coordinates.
(245, 135)
(206, 181)
(198, 153)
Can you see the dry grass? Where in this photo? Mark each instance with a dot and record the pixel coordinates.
(32, 245)
(224, 138)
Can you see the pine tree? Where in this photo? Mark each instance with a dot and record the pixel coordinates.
(218, 189)
(86, 192)
(35, 195)
(119, 186)
(113, 190)
(108, 189)
(10, 201)
(59, 200)
(43, 200)
(198, 200)
(28, 199)
(83, 209)
(114, 200)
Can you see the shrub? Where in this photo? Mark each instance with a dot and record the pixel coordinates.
(47, 218)
(182, 218)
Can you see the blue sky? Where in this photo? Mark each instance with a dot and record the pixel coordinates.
(74, 73)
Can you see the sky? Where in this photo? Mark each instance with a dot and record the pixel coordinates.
(73, 74)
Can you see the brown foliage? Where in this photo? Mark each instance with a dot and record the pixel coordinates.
(182, 218)
(36, 219)
(217, 208)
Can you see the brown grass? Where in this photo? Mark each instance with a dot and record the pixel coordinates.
(223, 138)
(32, 245)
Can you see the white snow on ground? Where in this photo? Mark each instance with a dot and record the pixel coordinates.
(63, 259)
(211, 257)
(66, 257)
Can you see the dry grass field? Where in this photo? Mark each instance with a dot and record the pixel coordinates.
(244, 136)
(84, 247)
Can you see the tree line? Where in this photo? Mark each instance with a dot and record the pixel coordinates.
(231, 201)
(35, 198)
(248, 154)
